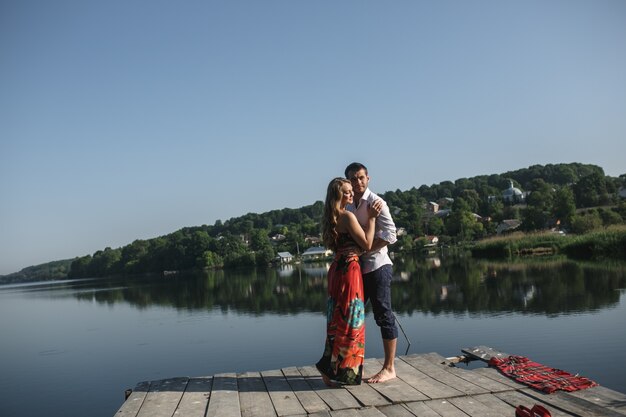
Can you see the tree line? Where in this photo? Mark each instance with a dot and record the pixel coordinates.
(573, 197)
(577, 197)
(240, 241)
(55, 270)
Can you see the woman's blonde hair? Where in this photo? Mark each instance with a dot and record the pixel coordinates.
(331, 212)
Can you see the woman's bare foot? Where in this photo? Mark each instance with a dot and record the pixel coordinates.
(382, 376)
(327, 380)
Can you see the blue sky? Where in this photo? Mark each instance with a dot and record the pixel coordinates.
(124, 120)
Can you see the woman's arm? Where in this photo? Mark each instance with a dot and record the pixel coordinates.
(363, 238)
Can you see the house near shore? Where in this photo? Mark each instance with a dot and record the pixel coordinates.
(443, 213)
(316, 253)
(431, 240)
(508, 226)
(278, 237)
(313, 240)
(284, 257)
(426, 244)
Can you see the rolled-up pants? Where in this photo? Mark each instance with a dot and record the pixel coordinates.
(377, 288)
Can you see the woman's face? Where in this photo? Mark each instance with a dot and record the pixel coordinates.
(347, 195)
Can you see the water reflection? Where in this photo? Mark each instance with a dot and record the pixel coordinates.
(52, 331)
(432, 285)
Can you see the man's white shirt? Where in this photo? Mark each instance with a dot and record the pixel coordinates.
(385, 230)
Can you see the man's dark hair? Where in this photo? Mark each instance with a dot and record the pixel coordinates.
(354, 167)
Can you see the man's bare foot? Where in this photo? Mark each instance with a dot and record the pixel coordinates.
(382, 376)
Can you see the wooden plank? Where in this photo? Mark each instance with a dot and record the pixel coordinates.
(484, 353)
(367, 395)
(369, 412)
(488, 384)
(254, 400)
(364, 393)
(224, 401)
(604, 397)
(335, 398)
(195, 398)
(133, 403)
(437, 372)
(325, 413)
(572, 404)
(309, 399)
(497, 376)
(163, 397)
(515, 398)
(473, 407)
(395, 390)
(496, 404)
(395, 410)
(419, 408)
(345, 413)
(445, 408)
(284, 399)
(423, 383)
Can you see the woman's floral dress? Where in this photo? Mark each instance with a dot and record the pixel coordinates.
(344, 351)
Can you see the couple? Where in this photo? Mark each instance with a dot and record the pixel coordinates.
(357, 226)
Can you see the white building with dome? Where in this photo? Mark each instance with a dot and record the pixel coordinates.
(513, 195)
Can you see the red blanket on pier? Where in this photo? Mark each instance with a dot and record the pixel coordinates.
(539, 376)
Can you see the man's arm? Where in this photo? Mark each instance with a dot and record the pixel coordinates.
(378, 244)
(385, 229)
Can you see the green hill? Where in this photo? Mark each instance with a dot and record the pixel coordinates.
(49, 271)
(575, 197)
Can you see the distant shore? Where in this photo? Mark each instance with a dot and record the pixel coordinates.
(607, 243)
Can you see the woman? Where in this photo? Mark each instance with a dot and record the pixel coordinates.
(342, 361)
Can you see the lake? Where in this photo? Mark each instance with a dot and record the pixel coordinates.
(71, 348)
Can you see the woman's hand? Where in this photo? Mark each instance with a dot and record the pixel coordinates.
(374, 209)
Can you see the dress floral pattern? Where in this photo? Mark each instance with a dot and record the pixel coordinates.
(344, 351)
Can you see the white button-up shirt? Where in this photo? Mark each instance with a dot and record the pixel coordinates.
(385, 230)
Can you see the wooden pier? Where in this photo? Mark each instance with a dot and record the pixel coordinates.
(427, 385)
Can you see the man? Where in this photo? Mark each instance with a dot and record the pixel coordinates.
(376, 266)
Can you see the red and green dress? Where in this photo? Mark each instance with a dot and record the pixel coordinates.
(344, 352)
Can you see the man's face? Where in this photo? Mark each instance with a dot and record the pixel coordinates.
(359, 181)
